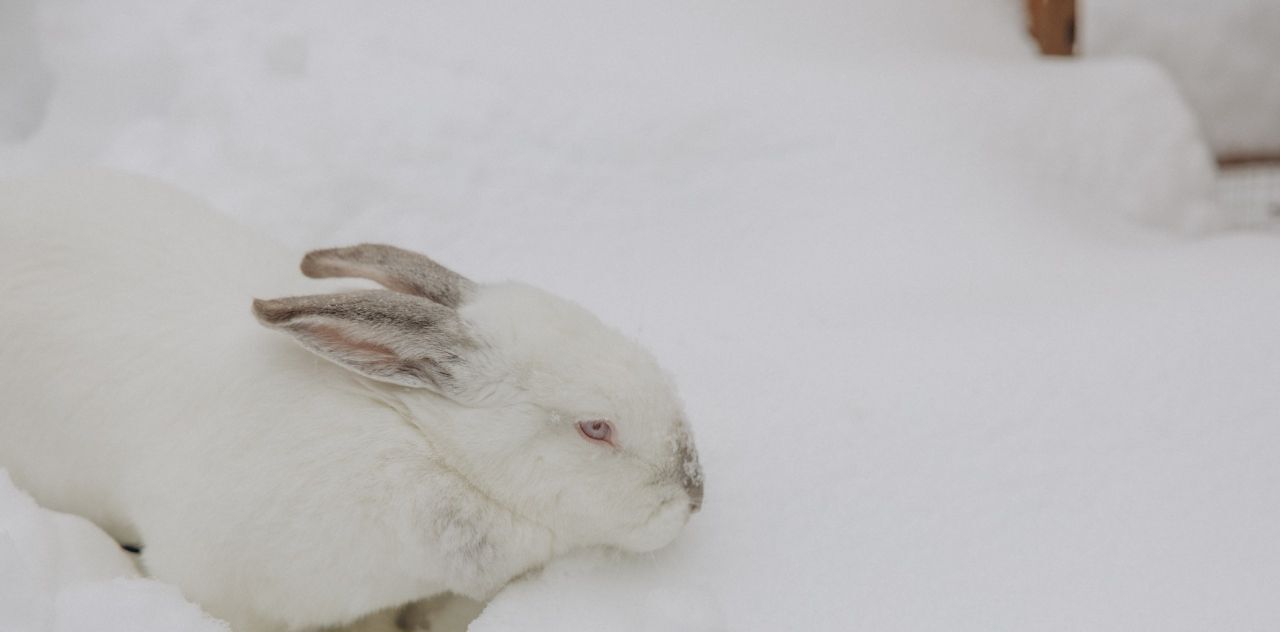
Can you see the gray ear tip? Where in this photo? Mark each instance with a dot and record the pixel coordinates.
(268, 312)
(328, 262)
(394, 268)
(313, 263)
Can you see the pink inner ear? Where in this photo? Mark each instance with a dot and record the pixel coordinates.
(341, 344)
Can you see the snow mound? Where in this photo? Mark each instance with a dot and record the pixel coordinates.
(60, 573)
(621, 594)
(1221, 54)
(336, 121)
(26, 82)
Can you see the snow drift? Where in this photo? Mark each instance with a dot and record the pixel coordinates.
(59, 573)
(1221, 54)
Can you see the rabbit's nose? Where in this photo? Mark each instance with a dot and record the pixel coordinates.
(695, 499)
(693, 487)
(689, 471)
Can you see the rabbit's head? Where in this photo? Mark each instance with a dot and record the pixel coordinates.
(531, 398)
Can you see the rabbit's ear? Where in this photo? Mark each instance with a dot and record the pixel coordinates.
(383, 335)
(394, 268)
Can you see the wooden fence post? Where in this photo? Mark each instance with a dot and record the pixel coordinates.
(1053, 24)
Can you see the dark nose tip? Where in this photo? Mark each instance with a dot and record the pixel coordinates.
(691, 473)
(695, 496)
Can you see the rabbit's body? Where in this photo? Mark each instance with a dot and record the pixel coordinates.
(276, 489)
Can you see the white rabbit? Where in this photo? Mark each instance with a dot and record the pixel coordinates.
(458, 436)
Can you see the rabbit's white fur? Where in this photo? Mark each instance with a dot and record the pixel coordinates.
(282, 491)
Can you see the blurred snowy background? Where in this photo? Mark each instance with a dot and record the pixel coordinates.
(972, 339)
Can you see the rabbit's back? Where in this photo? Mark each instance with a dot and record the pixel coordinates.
(140, 392)
(110, 286)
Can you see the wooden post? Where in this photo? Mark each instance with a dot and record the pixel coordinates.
(1053, 24)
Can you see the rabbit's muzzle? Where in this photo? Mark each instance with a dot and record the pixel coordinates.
(690, 472)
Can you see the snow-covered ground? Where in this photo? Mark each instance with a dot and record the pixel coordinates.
(1224, 56)
(961, 342)
(60, 573)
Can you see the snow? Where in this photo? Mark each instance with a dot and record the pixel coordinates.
(25, 82)
(60, 573)
(1222, 55)
(1251, 191)
(961, 344)
(644, 599)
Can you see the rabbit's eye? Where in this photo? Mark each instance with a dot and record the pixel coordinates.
(597, 430)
